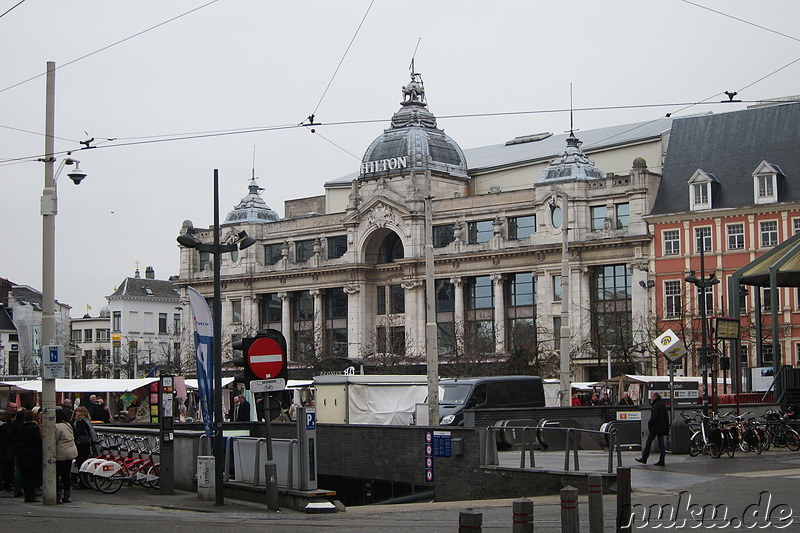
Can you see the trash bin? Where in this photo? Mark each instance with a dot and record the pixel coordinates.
(679, 436)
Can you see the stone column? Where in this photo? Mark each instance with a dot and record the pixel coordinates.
(499, 313)
(459, 326)
(356, 318)
(286, 321)
(318, 320)
(414, 316)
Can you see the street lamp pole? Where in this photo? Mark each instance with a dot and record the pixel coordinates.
(703, 283)
(217, 249)
(49, 210)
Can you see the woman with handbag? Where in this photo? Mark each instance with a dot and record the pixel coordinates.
(85, 435)
(66, 451)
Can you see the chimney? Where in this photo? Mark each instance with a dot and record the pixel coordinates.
(149, 273)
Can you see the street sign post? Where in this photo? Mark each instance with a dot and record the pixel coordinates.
(268, 385)
(673, 349)
(53, 362)
(266, 358)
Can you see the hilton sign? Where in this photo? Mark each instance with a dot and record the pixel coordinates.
(383, 165)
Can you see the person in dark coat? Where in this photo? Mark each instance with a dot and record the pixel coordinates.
(85, 437)
(658, 426)
(29, 453)
(626, 399)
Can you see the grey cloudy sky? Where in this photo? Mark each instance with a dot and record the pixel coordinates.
(235, 64)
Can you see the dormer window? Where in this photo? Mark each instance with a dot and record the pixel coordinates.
(702, 187)
(767, 181)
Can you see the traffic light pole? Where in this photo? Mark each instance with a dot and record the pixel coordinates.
(219, 455)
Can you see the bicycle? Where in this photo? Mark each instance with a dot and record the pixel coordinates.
(710, 443)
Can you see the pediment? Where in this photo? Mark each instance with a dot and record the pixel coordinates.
(701, 176)
(380, 211)
(766, 168)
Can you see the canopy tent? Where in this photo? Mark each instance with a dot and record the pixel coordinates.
(779, 267)
(83, 385)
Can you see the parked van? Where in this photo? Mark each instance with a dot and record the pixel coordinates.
(455, 395)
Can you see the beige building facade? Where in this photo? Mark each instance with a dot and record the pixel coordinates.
(342, 275)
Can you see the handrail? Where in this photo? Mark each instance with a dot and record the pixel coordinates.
(774, 380)
(570, 445)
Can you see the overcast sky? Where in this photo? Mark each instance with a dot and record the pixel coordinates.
(231, 65)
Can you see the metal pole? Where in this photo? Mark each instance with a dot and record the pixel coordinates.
(219, 456)
(703, 329)
(270, 468)
(564, 374)
(49, 211)
(623, 499)
(671, 390)
(431, 334)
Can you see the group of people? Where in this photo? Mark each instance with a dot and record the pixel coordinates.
(21, 448)
(579, 400)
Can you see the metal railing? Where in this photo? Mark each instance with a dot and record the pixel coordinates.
(257, 462)
(571, 442)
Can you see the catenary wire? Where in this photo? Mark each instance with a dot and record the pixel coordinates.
(741, 20)
(58, 67)
(11, 8)
(343, 57)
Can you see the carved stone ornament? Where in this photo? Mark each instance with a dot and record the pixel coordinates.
(411, 284)
(381, 216)
(352, 288)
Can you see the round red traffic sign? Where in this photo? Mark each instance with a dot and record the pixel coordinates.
(265, 358)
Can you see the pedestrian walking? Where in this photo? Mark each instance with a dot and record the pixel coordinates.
(66, 451)
(29, 453)
(658, 427)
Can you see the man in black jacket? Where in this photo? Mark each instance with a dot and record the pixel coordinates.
(658, 426)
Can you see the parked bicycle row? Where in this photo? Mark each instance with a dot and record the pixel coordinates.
(724, 434)
(122, 460)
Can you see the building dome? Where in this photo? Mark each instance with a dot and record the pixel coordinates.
(252, 209)
(571, 164)
(413, 142)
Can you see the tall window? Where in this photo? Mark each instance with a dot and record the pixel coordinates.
(443, 235)
(445, 296)
(272, 253)
(303, 306)
(705, 300)
(336, 320)
(236, 311)
(702, 237)
(391, 298)
(623, 215)
(521, 227)
(599, 215)
(769, 233)
(735, 236)
(87, 335)
(480, 231)
(520, 289)
(612, 305)
(176, 323)
(116, 323)
(337, 246)
(521, 297)
(766, 299)
(557, 289)
(672, 242)
(103, 335)
(480, 294)
(77, 335)
(445, 305)
(271, 311)
(672, 299)
(162, 323)
(205, 261)
(795, 226)
(304, 250)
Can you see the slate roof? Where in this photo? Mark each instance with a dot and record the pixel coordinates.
(549, 146)
(138, 288)
(731, 146)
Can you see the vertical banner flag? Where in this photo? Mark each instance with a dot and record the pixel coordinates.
(203, 343)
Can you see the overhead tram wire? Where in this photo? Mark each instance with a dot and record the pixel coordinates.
(111, 143)
(741, 20)
(68, 63)
(9, 10)
(358, 29)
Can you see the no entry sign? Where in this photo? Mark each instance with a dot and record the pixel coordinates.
(266, 358)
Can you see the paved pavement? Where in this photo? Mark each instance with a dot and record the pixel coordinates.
(686, 481)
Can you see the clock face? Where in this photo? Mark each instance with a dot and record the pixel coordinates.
(556, 217)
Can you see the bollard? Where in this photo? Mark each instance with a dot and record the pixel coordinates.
(595, 503)
(523, 516)
(624, 499)
(470, 521)
(271, 476)
(569, 510)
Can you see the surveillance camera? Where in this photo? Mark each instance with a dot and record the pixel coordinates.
(76, 176)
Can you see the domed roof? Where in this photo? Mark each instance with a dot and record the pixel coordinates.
(413, 142)
(252, 209)
(571, 164)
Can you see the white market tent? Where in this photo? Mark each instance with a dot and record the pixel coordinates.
(82, 385)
